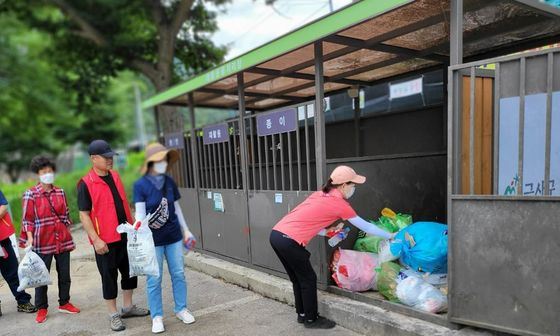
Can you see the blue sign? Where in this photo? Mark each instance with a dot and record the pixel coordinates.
(215, 134)
(277, 122)
(175, 140)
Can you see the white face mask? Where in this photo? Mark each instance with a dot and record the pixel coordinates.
(351, 192)
(160, 167)
(47, 178)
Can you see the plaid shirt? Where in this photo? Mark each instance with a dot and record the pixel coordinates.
(49, 226)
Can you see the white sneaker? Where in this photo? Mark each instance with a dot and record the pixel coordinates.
(185, 316)
(157, 325)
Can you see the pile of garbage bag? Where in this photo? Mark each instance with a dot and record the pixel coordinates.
(411, 269)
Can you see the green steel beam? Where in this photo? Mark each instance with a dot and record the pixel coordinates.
(314, 31)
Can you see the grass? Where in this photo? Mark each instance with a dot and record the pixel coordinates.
(68, 181)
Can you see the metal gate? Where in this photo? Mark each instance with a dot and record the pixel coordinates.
(223, 201)
(281, 174)
(183, 174)
(503, 253)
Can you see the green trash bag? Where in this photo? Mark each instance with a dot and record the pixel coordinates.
(403, 220)
(392, 222)
(368, 244)
(387, 280)
(387, 224)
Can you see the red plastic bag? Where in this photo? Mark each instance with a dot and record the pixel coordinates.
(354, 270)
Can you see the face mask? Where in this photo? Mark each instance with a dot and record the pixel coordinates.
(47, 178)
(160, 167)
(351, 192)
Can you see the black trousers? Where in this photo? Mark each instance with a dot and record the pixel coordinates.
(63, 271)
(295, 259)
(9, 270)
(109, 266)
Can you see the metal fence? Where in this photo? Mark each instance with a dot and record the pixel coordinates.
(506, 138)
(219, 160)
(283, 161)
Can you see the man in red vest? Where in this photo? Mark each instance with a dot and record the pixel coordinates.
(103, 206)
(8, 260)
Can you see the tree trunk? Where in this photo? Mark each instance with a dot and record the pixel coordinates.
(14, 173)
(170, 117)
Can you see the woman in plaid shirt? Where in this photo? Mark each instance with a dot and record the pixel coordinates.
(45, 228)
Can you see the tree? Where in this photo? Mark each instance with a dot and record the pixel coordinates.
(34, 117)
(165, 40)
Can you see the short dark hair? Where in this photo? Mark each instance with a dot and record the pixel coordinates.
(39, 162)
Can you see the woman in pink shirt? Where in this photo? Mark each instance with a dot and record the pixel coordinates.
(290, 236)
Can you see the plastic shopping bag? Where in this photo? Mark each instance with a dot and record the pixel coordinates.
(32, 271)
(392, 222)
(367, 243)
(353, 270)
(385, 252)
(438, 280)
(422, 247)
(419, 294)
(141, 249)
(13, 240)
(387, 280)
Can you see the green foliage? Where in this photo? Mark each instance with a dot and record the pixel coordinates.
(34, 116)
(68, 181)
(40, 113)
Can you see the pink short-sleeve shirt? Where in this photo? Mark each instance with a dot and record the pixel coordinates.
(317, 212)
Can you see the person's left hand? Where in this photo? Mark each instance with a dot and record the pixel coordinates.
(189, 239)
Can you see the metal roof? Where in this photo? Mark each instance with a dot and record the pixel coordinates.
(365, 42)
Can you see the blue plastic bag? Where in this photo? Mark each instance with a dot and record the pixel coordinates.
(422, 247)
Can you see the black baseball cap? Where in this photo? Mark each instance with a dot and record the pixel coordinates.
(101, 147)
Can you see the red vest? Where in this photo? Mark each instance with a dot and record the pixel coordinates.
(6, 227)
(103, 213)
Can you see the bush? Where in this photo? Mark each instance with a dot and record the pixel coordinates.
(69, 181)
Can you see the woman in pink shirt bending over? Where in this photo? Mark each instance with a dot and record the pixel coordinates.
(290, 236)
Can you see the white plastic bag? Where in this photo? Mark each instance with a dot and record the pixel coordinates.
(438, 280)
(32, 271)
(13, 240)
(419, 294)
(385, 254)
(141, 249)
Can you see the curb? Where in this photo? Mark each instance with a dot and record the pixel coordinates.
(357, 316)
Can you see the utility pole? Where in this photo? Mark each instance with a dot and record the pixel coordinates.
(331, 7)
(139, 117)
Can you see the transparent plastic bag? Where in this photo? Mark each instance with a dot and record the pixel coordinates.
(354, 270)
(368, 244)
(419, 294)
(387, 275)
(32, 271)
(141, 249)
(385, 254)
(438, 280)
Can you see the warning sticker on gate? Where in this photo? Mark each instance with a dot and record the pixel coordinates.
(277, 122)
(215, 134)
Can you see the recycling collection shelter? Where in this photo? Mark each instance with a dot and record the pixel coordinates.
(435, 102)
